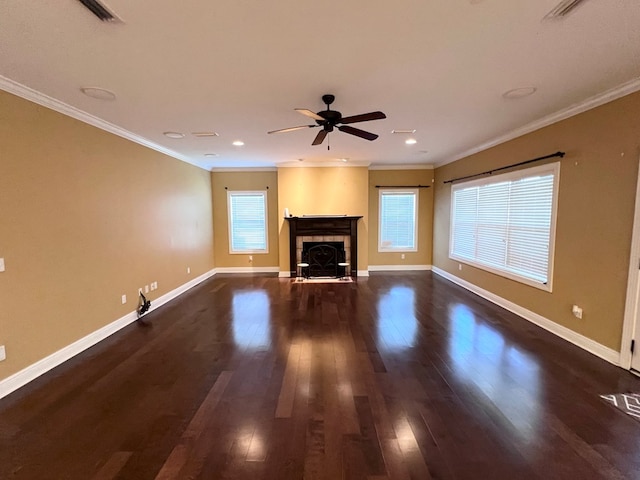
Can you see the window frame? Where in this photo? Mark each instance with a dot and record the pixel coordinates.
(416, 195)
(550, 168)
(263, 193)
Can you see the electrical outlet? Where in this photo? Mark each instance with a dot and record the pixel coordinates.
(577, 311)
(3, 353)
(402, 256)
(188, 269)
(250, 258)
(146, 289)
(124, 299)
(459, 266)
(1, 264)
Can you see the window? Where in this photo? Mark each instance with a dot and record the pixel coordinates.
(247, 222)
(506, 224)
(398, 213)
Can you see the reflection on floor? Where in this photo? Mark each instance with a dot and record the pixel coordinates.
(400, 376)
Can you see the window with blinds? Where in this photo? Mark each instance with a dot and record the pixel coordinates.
(247, 222)
(506, 224)
(398, 220)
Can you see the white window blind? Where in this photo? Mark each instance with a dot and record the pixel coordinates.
(505, 224)
(247, 222)
(398, 213)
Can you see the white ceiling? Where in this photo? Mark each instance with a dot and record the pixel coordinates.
(240, 67)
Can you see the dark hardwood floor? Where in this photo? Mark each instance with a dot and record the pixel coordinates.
(398, 376)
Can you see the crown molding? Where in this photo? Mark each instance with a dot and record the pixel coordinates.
(607, 96)
(34, 96)
(325, 164)
(426, 166)
(245, 169)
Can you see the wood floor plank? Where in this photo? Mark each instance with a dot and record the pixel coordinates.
(398, 376)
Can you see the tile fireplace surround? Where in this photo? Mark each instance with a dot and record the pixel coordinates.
(324, 228)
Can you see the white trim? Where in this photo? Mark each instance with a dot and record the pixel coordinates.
(284, 274)
(397, 268)
(33, 371)
(248, 270)
(633, 287)
(592, 102)
(416, 201)
(363, 273)
(34, 96)
(426, 166)
(567, 334)
(246, 169)
(324, 164)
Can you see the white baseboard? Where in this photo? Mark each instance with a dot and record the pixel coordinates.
(567, 334)
(33, 371)
(248, 270)
(397, 268)
(284, 274)
(363, 273)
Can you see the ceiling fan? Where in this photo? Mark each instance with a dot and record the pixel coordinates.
(329, 119)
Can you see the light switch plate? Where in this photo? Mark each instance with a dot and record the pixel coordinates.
(1, 264)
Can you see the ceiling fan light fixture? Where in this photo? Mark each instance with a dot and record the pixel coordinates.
(410, 141)
(396, 131)
(238, 143)
(175, 135)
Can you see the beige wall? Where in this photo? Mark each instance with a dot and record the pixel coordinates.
(247, 181)
(86, 216)
(595, 217)
(425, 216)
(323, 191)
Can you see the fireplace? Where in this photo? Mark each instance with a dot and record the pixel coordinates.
(335, 239)
(323, 258)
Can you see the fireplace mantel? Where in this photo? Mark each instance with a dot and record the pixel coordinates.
(323, 225)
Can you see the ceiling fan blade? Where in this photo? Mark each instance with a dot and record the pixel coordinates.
(320, 137)
(365, 117)
(292, 129)
(309, 113)
(357, 132)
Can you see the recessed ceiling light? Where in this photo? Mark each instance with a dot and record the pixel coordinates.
(410, 141)
(173, 134)
(98, 93)
(205, 134)
(404, 131)
(519, 93)
(344, 159)
(210, 154)
(238, 143)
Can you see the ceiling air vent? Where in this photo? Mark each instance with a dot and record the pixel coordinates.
(99, 10)
(564, 8)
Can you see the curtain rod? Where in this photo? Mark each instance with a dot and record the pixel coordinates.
(489, 172)
(403, 186)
